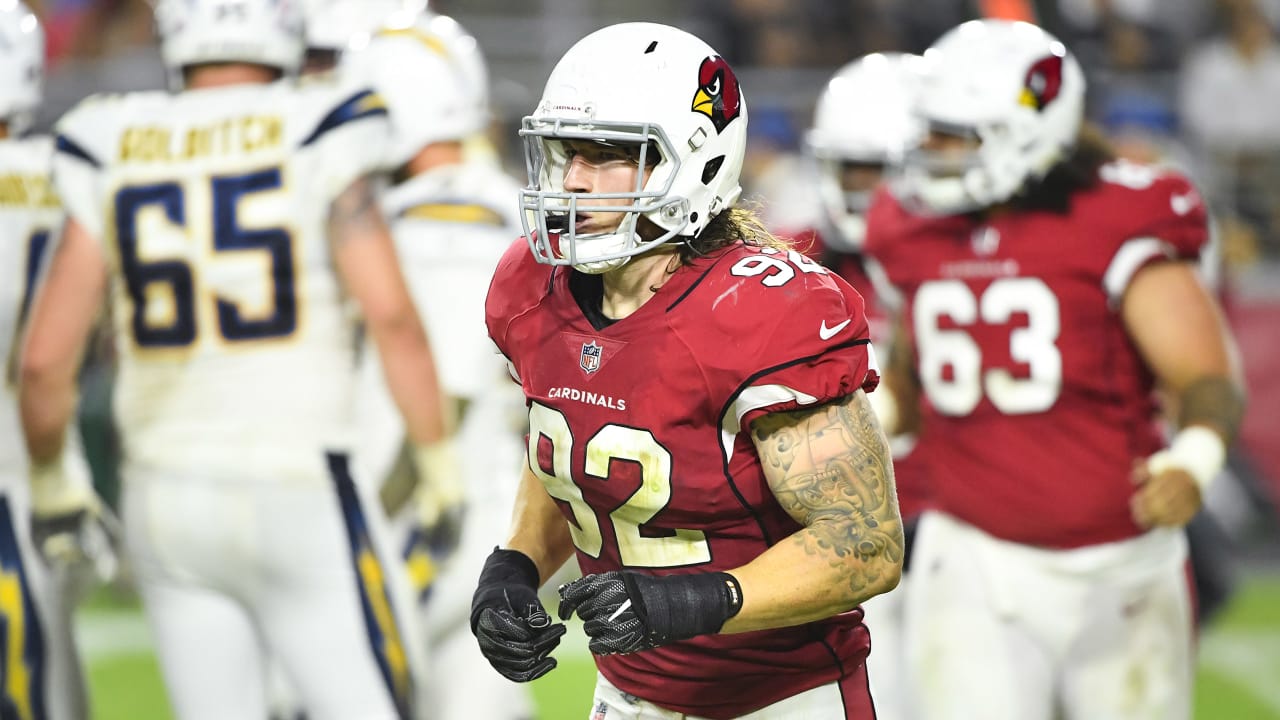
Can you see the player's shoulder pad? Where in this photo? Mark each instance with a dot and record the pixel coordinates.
(472, 193)
(29, 154)
(322, 108)
(750, 289)
(1150, 201)
(519, 283)
(90, 131)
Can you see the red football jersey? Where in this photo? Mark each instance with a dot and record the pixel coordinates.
(1037, 403)
(639, 429)
(909, 464)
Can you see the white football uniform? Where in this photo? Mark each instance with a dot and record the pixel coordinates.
(235, 391)
(451, 226)
(40, 674)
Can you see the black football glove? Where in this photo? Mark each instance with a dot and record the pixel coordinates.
(515, 632)
(626, 612)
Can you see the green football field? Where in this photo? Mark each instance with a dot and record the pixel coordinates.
(1239, 677)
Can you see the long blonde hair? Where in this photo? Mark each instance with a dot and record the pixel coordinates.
(740, 223)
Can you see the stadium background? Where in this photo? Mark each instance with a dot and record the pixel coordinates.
(1192, 82)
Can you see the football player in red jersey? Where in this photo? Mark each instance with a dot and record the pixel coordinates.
(863, 125)
(1049, 291)
(699, 428)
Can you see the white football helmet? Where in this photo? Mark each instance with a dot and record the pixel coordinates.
(337, 24)
(1017, 91)
(465, 53)
(638, 84)
(21, 65)
(865, 115)
(261, 32)
(396, 60)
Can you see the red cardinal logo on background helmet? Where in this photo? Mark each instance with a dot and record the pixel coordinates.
(1043, 82)
(718, 96)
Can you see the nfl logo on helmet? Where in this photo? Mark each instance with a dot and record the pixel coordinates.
(590, 358)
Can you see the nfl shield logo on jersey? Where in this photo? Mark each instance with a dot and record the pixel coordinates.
(590, 358)
(601, 710)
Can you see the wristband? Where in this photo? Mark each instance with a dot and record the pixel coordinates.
(1196, 450)
(502, 569)
(61, 486)
(678, 607)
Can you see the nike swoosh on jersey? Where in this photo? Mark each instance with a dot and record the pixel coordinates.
(826, 333)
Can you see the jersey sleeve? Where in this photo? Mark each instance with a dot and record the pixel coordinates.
(348, 138)
(885, 219)
(797, 344)
(1165, 220)
(518, 284)
(78, 164)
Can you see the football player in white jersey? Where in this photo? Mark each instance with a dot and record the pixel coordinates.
(40, 673)
(453, 212)
(231, 221)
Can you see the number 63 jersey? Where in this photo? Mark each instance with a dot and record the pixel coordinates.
(211, 207)
(639, 431)
(1037, 403)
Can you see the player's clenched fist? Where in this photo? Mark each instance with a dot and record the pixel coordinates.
(515, 633)
(626, 612)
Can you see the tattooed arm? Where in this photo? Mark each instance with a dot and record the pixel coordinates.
(367, 263)
(830, 469)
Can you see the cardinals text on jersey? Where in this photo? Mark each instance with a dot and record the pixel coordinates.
(1031, 381)
(645, 444)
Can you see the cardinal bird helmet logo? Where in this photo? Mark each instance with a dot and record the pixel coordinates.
(718, 96)
(1043, 82)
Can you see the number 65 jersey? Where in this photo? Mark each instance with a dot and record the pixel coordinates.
(211, 206)
(639, 429)
(1037, 403)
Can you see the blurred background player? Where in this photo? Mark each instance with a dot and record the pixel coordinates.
(1048, 291)
(40, 675)
(699, 429)
(231, 221)
(453, 213)
(863, 125)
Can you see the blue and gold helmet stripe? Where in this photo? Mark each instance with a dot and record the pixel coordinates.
(426, 39)
(363, 104)
(22, 655)
(380, 622)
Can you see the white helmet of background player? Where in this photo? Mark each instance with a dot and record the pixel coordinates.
(635, 84)
(864, 117)
(451, 104)
(336, 24)
(1013, 88)
(21, 65)
(260, 32)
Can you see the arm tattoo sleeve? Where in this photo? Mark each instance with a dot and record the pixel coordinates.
(354, 212)
(1214, 401)
(831, 470)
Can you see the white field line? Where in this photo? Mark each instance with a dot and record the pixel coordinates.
(1249, 659)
